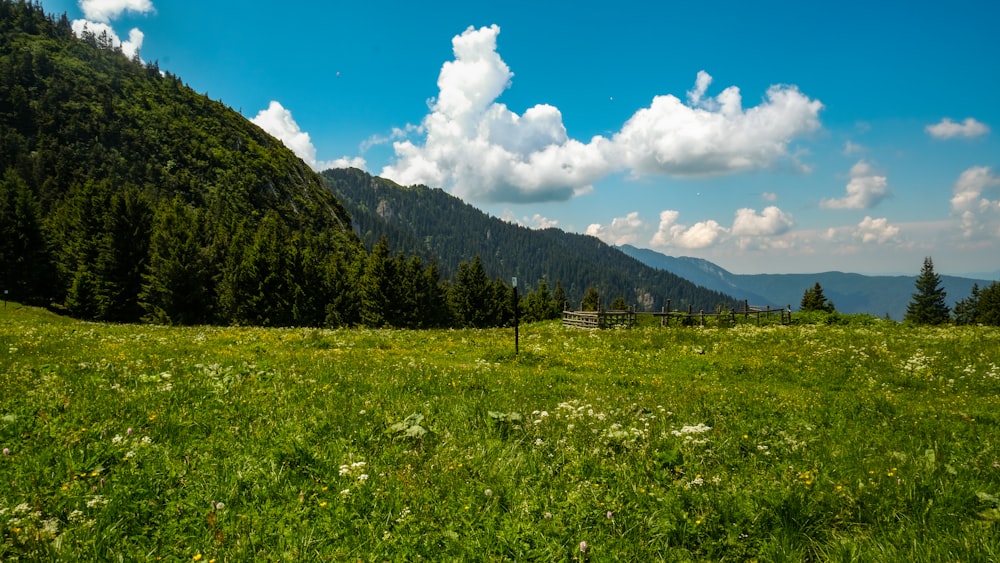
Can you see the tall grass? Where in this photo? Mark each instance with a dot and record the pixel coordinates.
(848, 443)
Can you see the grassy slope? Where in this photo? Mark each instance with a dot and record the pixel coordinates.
(854, 443)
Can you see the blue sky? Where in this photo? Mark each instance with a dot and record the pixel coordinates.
(772, 137)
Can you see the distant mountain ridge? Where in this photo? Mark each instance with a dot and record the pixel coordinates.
(435, 225)
(850, 293)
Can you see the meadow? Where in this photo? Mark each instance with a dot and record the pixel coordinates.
(866, 441)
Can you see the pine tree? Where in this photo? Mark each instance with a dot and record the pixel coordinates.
(473, 297)
(122, 256)
(814, 300)
(988, 305)
(559, 300)
(177, 285)
(25, 266)
(966, 310)
(374, 286)
(928, 305)
(592, 300)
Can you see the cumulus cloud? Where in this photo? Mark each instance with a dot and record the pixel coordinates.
(864, 190)
(714, 135)
(107, 10)
(129, 48)
(979, 216)
(772, 221)
(479, 149)
(622, 230)
(278, 122)
(876, 231)
(536, 221)
(948, 129)
(671, 233)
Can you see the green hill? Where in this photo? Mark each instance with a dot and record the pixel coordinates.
(124, 194)
(433, 224)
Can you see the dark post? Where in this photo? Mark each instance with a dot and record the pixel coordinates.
(514, 283)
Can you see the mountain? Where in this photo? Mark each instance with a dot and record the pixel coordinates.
(438, 226)
(124, 194)
(850, 293)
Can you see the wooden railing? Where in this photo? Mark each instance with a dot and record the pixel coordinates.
(719, 317)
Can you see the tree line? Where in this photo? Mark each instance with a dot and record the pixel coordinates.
(928, 305)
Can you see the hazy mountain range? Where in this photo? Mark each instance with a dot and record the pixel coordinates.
(850, 293)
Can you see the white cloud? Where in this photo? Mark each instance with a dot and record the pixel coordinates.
(877, 231)
(769, 196)
(107, 10)
(670, 233)
(852, 148)
(480, 149)
(536, 221)
(772, 221)
(714, 135)
(129, 48)
(864, 190)
(978, 215)
(278, 121)
(948, 129)
(622, 230)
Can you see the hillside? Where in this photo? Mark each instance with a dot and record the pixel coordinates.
(437, 226)
(124, 194)
(850, 293)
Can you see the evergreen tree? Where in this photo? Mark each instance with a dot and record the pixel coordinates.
(25, 266)
(177, 285)
(928, 305)
(122, 256)
(538, 303)
(473, 297)
(559, 300)
(966, 310)
(619, 304)
(814, 300)
(988, 305)
(375, 286)
(592, 300)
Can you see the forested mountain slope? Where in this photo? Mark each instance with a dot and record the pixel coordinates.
(438, 226)
(126, 195)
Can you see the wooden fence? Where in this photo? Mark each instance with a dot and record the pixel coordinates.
(719, 317)
(599, 319)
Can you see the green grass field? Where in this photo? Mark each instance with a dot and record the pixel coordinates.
(868, 442)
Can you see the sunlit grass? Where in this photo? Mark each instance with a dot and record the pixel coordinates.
(872, 442)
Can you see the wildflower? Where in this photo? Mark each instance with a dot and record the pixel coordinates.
(197, 557)
(488, 493)
(610, 516)
(547, 516)
(6, 451)
(129, 431)
(583, 547)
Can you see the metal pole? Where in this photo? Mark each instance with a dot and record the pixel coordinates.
(516, 346)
